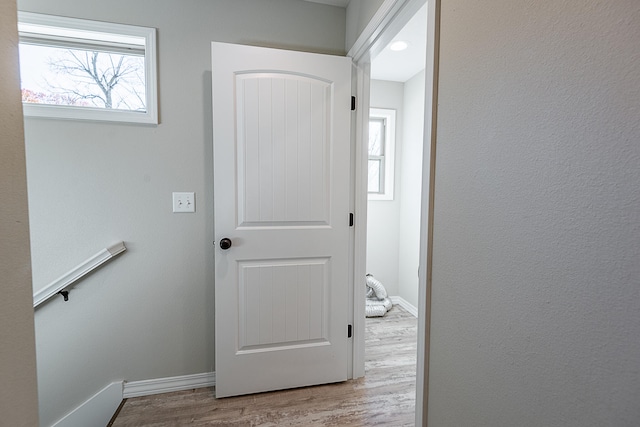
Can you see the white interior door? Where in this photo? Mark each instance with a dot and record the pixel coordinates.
(281, 193)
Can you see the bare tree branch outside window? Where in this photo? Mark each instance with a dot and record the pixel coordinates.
(89, 78)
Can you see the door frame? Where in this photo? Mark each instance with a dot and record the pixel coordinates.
(388, 20)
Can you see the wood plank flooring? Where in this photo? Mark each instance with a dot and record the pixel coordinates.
(384, 397)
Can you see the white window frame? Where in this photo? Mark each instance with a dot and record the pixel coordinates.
(389, 117)
(34, 26)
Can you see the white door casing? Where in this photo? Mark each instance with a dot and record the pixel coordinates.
(281, 130)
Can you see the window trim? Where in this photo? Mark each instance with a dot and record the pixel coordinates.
(389, 117)
(150, 116)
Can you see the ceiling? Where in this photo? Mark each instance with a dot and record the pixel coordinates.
(398, 66)
(401, 66)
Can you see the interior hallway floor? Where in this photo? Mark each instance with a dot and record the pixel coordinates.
(384, 397)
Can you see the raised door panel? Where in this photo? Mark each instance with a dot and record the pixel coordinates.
(283, 125)
(283, 304)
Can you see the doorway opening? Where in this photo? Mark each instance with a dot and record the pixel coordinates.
(395, 163)
(384, 27)
(394, 190)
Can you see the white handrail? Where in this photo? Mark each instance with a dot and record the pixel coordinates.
(77, 273)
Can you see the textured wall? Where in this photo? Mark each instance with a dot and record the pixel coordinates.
(18, 391)
(149, 313)
(536, 266)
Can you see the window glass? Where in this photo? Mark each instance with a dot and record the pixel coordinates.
(374, 176)
(82, 78)
(376, 137)
(381, 153)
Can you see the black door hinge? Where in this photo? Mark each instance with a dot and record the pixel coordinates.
(349, 331)
(350, 220)
(353, 103)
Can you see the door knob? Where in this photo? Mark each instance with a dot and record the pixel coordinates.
(225, 243)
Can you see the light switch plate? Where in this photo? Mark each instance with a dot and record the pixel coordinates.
(184, 202)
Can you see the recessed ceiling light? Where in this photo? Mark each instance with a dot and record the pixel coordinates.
(398, 45)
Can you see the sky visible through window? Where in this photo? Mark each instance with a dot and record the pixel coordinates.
(376, 151)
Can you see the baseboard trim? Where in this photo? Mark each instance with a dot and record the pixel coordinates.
(405, 304)
(99, 408)
(95, 411)
(167, 385)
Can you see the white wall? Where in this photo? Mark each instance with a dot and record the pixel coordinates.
(18, 390)
(382, 215)
(409, 191)
(536, 272)
(393, 226)
(149, 313)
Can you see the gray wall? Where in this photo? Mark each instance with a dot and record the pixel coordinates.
(18, 390)
(409, 173)
(382, 215)
(359, 13)
(536, 263)
(149, 313)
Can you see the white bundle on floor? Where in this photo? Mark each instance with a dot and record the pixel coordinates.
(378, 303)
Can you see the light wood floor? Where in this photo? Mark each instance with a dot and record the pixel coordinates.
(384, 397)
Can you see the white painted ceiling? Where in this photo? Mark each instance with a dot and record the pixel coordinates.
(401, 66)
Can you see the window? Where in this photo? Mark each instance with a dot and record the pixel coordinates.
(80, 69)
(382, 130)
